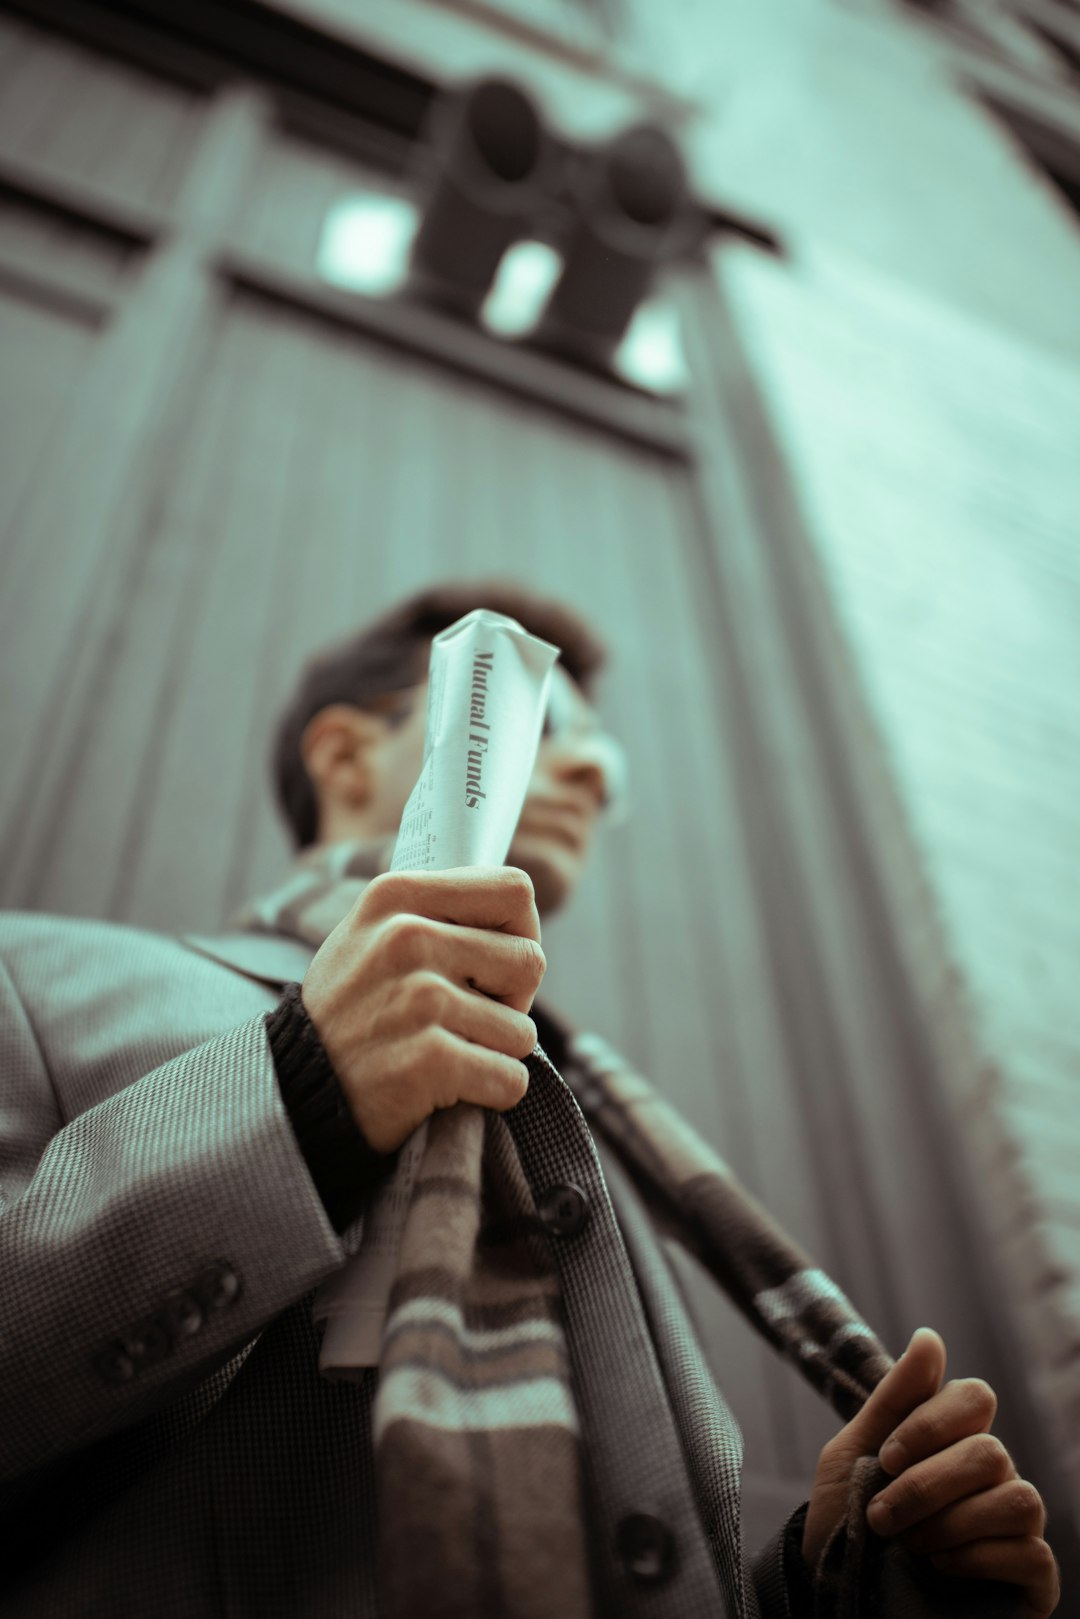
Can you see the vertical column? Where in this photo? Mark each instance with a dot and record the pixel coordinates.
(870, 1047)
(83, 527)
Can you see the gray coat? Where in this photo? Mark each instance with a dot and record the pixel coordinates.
(168, 1445)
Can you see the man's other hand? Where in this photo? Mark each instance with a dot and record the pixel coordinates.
(955, 1493)
(421, 995)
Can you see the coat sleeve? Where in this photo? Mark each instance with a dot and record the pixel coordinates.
(769, 1584)
(781, 1582)
(144, 1239)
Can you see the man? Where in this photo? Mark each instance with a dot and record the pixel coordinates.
(190, 1134)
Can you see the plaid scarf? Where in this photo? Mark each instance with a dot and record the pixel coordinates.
(476, 1433)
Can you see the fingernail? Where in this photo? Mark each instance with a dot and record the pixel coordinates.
(892, 1456)
(879, 1515)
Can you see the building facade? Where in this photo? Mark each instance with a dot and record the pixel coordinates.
(837, 567)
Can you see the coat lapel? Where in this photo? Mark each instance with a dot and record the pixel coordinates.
(267, 958)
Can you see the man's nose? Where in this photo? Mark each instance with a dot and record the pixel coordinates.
(573, 759)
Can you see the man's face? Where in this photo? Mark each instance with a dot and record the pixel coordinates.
(570, 784)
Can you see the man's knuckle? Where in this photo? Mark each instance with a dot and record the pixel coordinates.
(918, 1495)
(424, 1052)
(519, 885)
(1025, 1505)
(835, 1458)
(382, 884)
(532, 961)
(1043, 1561)
(990, 1457)
(509, 1084)
(412, 1057)
(976, 1397)
(404, 939)
(833, 1471)
(920, 1434)
(428, 996)
(440, 1045)
(440, 1066)
(386, 891)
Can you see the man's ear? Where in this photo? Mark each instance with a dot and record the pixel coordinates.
(336, 749)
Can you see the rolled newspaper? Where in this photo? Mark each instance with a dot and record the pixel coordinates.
(487, 695)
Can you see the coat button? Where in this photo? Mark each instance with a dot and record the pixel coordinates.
(564, 1210)
(182, 1314)
(147, 1343)
(114, 1366)
(217, 1287)
(646, 1547)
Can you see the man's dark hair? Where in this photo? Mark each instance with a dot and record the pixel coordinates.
(391, 654)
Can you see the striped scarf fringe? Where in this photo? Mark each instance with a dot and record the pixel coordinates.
(476, 1434)
(791, 1303)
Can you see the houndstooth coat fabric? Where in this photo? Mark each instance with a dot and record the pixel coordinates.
(168, 1445)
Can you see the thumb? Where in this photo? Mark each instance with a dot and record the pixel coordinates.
(914, 1378)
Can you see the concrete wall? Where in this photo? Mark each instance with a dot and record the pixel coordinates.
(841, 124)
(920, 355)
(934, 461)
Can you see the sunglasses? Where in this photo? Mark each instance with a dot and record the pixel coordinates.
(572, 721)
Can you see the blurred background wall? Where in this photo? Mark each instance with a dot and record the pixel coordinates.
(834, 550)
